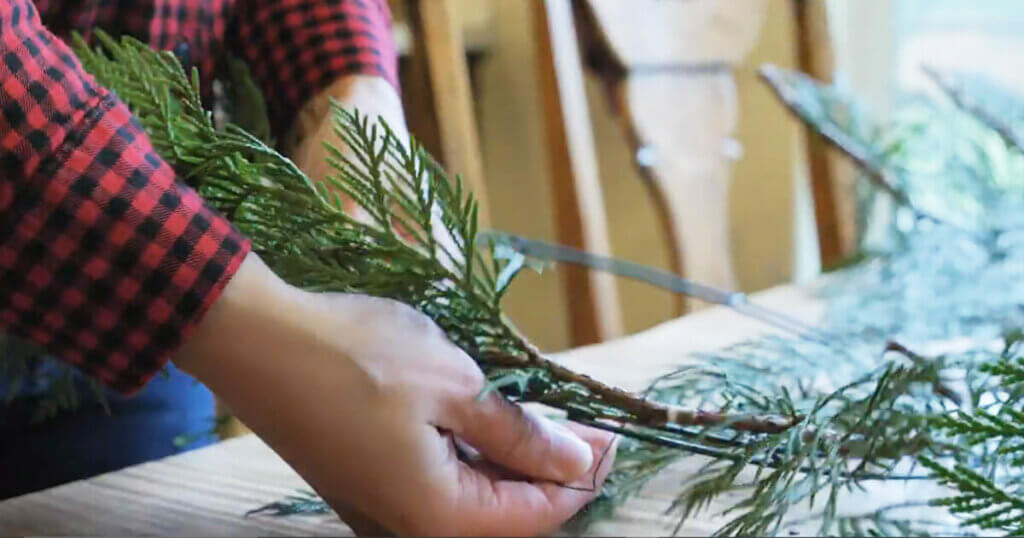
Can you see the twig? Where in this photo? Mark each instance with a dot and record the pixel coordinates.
(654, 414)
(964, 101)
(939, 387)
(875, 172)
(645, 412)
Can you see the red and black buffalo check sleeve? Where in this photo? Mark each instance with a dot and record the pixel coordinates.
(105, 259)
(297, 48)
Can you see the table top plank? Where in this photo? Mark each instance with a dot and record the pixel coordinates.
(203, 492)
(208, 491)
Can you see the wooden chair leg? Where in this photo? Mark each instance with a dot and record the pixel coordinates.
(592, 297)
(814, 57)
(439, 59)
(668, 68)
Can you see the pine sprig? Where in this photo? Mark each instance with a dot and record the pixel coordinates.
(989, 493)
(983, 503)
(419, 246)
(992, 105)
(886, 521)
(896, 294)
(858, 432)
(303, 502)
(838, 121)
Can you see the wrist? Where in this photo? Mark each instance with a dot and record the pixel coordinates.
(265, 345)
(255, 299)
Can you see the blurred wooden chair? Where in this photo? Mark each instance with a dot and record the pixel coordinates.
(668, 69)
(437, 86)
(833, 213)
(580, 216)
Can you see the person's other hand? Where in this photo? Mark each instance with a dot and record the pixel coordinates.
(372, 96)
(379, 412)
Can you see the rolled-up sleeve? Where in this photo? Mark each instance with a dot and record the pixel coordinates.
(106, 259)
(297, 48)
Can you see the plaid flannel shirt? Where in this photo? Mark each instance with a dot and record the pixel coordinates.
(106, 260)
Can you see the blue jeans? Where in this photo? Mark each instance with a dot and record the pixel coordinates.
(87, 441)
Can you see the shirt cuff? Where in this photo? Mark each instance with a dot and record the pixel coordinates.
(106, 260)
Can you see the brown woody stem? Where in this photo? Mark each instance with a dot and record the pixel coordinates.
(939, 387)
(646, 412)
(962, 99)
(874, 170)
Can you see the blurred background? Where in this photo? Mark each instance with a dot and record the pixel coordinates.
(873, 48)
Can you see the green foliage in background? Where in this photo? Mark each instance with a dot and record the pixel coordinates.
(941, 202)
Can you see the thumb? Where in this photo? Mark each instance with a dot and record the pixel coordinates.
(521, 441)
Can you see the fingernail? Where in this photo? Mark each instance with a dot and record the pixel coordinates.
(575, 453)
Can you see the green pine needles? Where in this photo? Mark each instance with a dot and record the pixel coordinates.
(990, 490)
(418, 246)
(774, 423)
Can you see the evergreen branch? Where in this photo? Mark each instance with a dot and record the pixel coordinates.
(791, 89)
(993, 500)
(848, 434)
(302, 502)
(855, 433)
(939, 386)
(992, 105)
(882, 419)
(985, 503)
(1010, 368)
(880, 522)
(832, 121)
(636, 463)
(301, 230)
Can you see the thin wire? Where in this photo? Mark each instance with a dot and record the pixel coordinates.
(597, 468)
(782, 321)
(736, 301)
(702, 450)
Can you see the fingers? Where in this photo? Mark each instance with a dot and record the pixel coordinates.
(521, 441)
(360, 523)
(493, 506)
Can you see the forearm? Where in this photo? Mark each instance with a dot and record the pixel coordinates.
(373, 96)
(362, 396)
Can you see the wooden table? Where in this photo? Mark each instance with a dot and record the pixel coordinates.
(207, 492)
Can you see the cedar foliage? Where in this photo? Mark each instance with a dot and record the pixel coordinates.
(420, 245)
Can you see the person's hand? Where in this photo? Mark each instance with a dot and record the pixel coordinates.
(372, 96)
(375, 98)
(372, 405)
